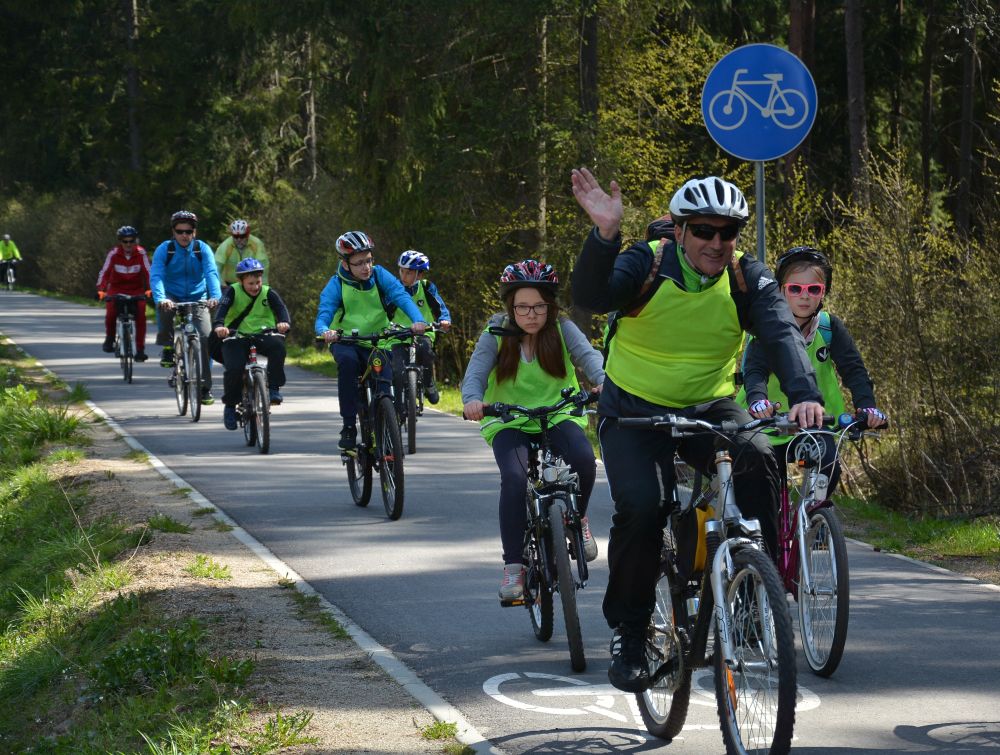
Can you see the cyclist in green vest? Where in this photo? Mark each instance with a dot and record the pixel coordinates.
(358, 298)
(675, 352)
(413, 266)
(9, 255)
(240, 245)
(529, 365)
(248, 307)
(806, 276)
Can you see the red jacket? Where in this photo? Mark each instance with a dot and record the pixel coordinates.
(124, 275)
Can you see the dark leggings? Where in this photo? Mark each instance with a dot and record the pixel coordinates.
(510, 447)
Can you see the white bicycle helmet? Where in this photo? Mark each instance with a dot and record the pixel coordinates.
(712, 196)
(239, 227)
(353, 242)
(414, 260)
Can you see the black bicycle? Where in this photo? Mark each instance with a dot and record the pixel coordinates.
(253, 413)
(734, 588)
(125, 347)
(554, 534)
(10, 276)
(186, 378)
(379, 445)
(410, 392)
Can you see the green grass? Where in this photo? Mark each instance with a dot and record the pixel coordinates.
(78, 393)
(439, 730)
(921, 537)
(308, 608)
(207, 568)
(203, 510)
(136, 455)
(65, 455)
(165, 523)
(311, 358)
(220, 526)
(181, 491)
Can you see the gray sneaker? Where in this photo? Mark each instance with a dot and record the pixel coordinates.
(589, 543)
(512, 586)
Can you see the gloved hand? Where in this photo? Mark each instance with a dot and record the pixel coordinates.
(761, 408)
(876, 418)
(100, 296)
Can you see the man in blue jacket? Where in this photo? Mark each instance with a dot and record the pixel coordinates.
(183, 269)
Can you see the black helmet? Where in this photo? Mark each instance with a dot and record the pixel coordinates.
(183, 216)
(805, 254)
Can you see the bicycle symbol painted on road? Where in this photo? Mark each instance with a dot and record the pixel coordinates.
(787, 108)
(580, 698)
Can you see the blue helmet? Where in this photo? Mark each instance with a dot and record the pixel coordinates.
(413, 260)
(249, 265)
(127, 231)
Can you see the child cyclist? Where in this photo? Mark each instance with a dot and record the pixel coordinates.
(530, 365)
(413, 266)
(248, 307)
(358, 297)
(806, 276)
(125, 271)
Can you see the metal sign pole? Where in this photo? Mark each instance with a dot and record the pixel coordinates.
(760, 211)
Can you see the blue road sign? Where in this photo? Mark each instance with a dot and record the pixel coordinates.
(759, 102)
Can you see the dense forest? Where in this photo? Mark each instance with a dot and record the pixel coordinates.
(451, 127)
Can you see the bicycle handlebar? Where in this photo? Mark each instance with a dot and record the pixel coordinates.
(682, 426)
(507, 411)
(374, 338)
(236, 335)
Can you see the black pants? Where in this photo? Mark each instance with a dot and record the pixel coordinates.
(234, 355)
(510, 448)
(640, 471)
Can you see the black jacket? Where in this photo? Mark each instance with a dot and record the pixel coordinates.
(604, 280)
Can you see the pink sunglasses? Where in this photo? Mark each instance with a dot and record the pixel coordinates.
(813, 289)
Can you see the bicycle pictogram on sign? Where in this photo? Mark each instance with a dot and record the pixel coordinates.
(787, 108)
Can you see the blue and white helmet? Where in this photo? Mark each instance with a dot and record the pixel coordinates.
(414, 260)
(127, 231)
(249, 265)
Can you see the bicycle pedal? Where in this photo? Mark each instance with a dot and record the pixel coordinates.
(512, 603)
(171, 382)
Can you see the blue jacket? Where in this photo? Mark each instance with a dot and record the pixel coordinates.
(432, 290)
(331, 297)
(184, 278)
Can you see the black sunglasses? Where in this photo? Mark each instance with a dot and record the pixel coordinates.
(128, 241)
(184, 231)
(707, 232)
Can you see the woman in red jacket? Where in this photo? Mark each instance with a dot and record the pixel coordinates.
(125, 271)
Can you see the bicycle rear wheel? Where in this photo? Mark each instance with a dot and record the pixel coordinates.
(389, 449)
(537, 593)
(825, 604)
(262, 412)
(756, 695)
(411, 412)
(664, 705)
(180, 377)
(567, 585)
(193, 359)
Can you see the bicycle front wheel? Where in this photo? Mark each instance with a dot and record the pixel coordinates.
(567, 585)
(193, 359)
(755, 694)
(247, 411)
(537, 591)
(127, 355)
(411, 412)
(389, 449)
(824, 604)
(664, 705)
(261, 412)
(180, 378)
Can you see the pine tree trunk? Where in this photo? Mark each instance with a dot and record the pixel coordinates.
(857, 120)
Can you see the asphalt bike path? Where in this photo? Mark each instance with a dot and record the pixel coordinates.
(919, 673)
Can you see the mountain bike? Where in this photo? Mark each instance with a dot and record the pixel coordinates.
(812, 560)
(379, 445)
(186, 377)
(125, 331)
(739, 594)
(253, 413)
(554, 534)
(410, 392)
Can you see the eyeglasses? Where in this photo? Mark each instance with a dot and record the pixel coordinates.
(362, 263)
(707, 232)
(241, 235)
(813, 289)
(128, 241)
(184, 231)
(539, 309)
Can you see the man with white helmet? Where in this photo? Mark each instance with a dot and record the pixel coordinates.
(240, 245)
(684, 303)
(9, 255)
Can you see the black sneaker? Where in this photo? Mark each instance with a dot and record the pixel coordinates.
(167, 357)
(140, 356)
(628, 671)
(431, 392)
(108, 346)
(348, 438)
(207, 399)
